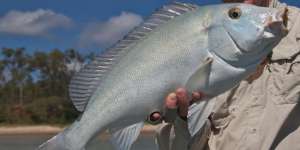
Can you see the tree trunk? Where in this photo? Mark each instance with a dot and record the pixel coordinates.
(21, 95)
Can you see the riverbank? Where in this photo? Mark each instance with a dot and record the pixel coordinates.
(46, 129)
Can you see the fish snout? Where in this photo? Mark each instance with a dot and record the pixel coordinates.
(277, 24)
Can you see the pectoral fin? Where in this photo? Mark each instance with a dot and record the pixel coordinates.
(198, 114)
(123, 139)
(200, 77)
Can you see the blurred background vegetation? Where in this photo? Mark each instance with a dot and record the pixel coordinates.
(34, 86)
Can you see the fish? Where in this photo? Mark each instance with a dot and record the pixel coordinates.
(202, 48)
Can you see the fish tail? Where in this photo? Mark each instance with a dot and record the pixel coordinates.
(56, 143)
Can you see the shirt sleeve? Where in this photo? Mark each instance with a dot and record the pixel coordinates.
(182, 136)
(173, 136)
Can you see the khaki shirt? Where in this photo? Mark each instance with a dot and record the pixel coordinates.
(258, 116)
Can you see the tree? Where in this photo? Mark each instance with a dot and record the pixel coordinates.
(52, 72)
(16, 63)
(73, 60)
(34, 88)
(2, 78)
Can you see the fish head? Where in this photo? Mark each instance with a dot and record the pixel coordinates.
(242, 34)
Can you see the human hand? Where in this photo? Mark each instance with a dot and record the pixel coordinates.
(179, 101)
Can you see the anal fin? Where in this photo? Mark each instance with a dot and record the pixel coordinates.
(122, 139)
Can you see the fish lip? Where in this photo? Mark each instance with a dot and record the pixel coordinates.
(279, 20)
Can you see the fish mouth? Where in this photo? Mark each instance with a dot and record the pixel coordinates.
(277, 24)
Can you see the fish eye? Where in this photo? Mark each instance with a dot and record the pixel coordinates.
(235, 13)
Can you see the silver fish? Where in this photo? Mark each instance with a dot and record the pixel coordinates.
(209, 48)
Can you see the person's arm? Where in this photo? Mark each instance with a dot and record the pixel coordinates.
(182, 137)
(174, 134)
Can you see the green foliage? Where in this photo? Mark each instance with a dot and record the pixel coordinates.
(54, 110)
(34, 88)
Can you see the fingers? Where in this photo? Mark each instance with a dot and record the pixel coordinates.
(171, 108)
(183, 102)
(178, 103)
(171, 101)
(250, 1)
(197, 96)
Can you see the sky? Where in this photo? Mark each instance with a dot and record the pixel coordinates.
(89, 25)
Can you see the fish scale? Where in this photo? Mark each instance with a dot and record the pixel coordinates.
(137, 34)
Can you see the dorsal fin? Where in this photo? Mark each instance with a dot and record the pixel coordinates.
(85, 82)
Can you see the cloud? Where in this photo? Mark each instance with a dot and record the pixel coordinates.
(32, 23)
(104, 34)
